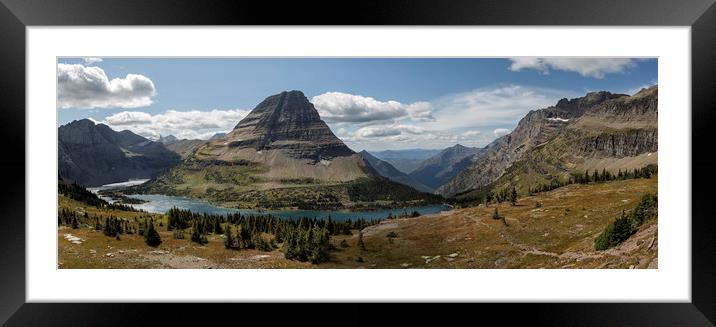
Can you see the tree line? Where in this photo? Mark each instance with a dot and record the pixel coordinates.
(627, 224)
(111, 226)
(77, 192)
(597, 177)
(492, 194)
(303, 239)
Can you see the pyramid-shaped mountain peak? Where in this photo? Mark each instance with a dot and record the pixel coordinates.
(289, 122)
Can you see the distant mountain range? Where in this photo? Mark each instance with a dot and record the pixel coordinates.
(598, 131)
(94, 154)
(182, 147)
(387, 170)
(442, 167)
(405, 160)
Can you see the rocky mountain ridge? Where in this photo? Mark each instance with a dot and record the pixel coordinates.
(94, 154)
(600, 127)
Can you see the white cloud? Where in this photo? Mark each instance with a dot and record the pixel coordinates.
(469, 134)
(84, 87)
(402, 136)
(192, 124)
(639, 88)
(389, 130)
(344, 107)
(501, 131)
(91, 60)
(484, 107)
(588, 67)
(468, 118)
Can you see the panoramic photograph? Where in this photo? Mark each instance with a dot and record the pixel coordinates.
(362, 163)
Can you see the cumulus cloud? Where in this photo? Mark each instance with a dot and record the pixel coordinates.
(344, 107)
(588, 67)
(469, 134)
(390, 130)
(492, 106)
(192, 124)
(91, 60)
(468, 118)
(79, 86)
(501, 131)
(396, 136)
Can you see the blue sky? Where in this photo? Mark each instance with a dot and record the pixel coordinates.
(371, 103)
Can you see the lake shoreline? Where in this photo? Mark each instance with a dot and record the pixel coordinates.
(161, 203)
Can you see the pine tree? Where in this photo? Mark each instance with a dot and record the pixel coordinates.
(228, 239)
(197, 236)
(361, 244)
(496, 214)
(391, 236)
(151, 237)
(513, 196)
(217, 227)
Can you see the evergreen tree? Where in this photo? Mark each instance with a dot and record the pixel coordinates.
(217, 228)
(196, 235)
(151, 236)
(496, 214)
(228, 239)
(391, 236)
(513, 196)
(361, 244)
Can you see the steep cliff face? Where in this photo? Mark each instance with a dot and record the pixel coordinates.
(94, 154)
(620, 144)
(552, 142)
(287, 122)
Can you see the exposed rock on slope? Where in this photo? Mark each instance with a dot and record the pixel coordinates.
(287, 122)
(94, 154)
(597, 131)
(442, 167)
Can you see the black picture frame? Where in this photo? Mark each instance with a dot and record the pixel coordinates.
(16, 15)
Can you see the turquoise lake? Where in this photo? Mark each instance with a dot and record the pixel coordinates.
(158, 203)
(162, 203)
